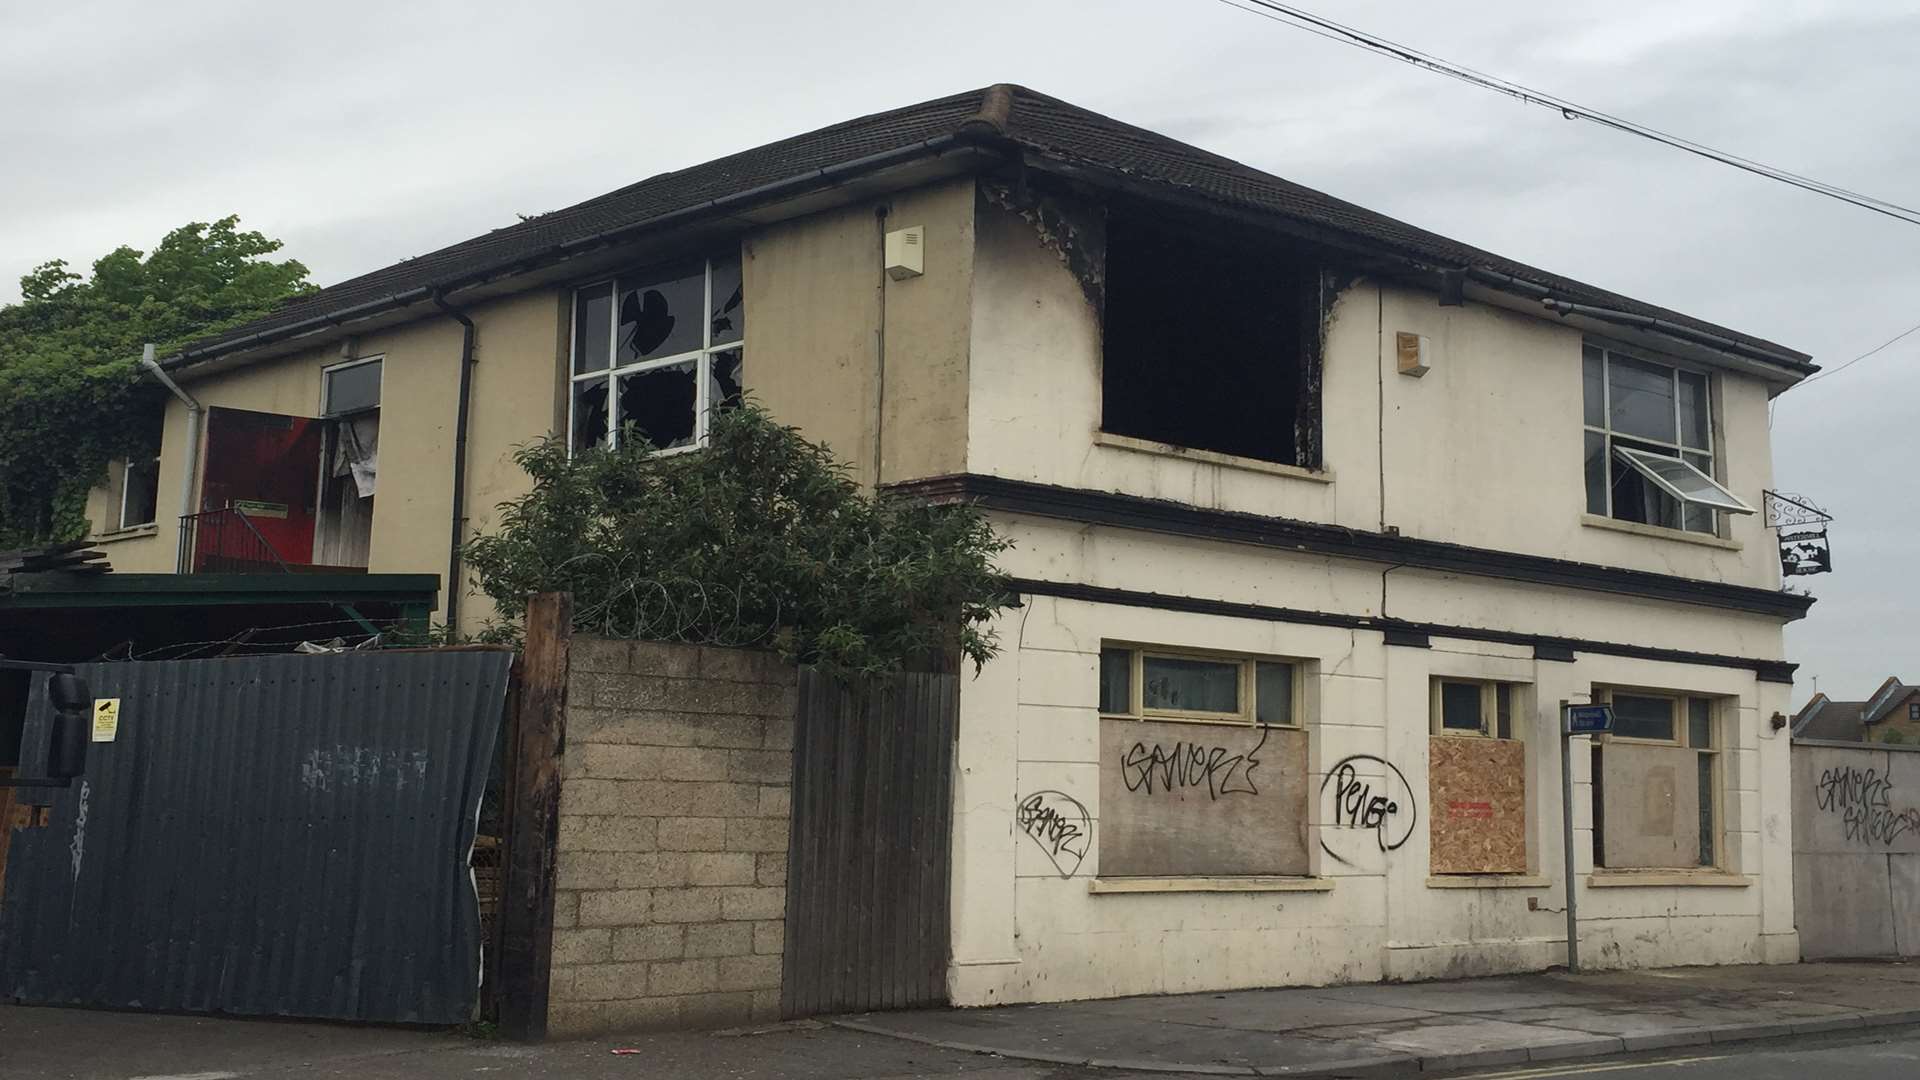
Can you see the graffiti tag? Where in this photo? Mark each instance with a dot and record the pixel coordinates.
(1191, 765)
(1059, 824)
(1388, 812)
(1864, 800)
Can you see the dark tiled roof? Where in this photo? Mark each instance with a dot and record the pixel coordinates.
(1837, 721)
(1891, 695)
(1052, 129)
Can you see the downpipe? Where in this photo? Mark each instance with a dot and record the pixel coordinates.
(196, 416)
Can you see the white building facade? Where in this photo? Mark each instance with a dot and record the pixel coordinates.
(1287, 714)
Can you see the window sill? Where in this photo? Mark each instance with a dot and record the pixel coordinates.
(133, 533)
(1210, 457)
(1659, 532)
(1627, 879)
(1488, 881)
(1209, 884)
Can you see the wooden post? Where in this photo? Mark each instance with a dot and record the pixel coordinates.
(526, 912)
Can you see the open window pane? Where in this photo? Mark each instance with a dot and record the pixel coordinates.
(657, 405)
(1273, 693)
(1635, 497)
(1460, 707)
(729, 307)
(350, 389)
(660, 320)
(1640, 399)
(1681, 480)
(1116, 681)
(1183, 685)
(1636, 716)
(140, 499)
(589, 413)
(593, 329)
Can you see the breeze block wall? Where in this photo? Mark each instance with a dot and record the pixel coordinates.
(671, 890)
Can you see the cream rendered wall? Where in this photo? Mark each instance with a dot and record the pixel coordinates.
(519, 345)
(1022, 932)
(1485, 450)
(820, 311)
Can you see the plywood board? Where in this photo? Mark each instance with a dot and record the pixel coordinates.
(1478, 790)
(1651, 806)
(1215, 800)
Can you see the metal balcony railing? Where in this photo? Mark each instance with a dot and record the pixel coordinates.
(226, 542)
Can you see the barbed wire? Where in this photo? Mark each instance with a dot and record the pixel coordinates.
(677, 609)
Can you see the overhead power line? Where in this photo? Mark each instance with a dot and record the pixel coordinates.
(1837, 369)
(1299, 19)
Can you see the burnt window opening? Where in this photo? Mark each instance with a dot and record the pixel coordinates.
(1209, 345)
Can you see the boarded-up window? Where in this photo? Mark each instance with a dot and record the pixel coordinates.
(1476, 779)
(1202, 769)
(1184, 799)
(1655, 782)
(1478, 790)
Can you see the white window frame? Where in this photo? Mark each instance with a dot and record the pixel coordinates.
(1682, 737)
(702, 358)
(126, 467)
(1649, 464)
(1248, 713)
(326, 384)
(1711, 452)
(1490, 691)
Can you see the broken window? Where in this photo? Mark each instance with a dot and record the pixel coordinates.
(350, 456)
(1649, 444)
(139, 491)
(1210, 345)
(1473, 707)
(1656, 782)
(654, 354)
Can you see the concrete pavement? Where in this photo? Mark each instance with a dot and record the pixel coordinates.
(1351, 1031)
(1388, 1029)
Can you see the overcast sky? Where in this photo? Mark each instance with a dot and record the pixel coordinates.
(361, 133)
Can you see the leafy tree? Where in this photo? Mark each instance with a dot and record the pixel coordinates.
(760, 539)
(71, 395)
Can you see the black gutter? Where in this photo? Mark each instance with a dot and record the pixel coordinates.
(1399, 632)
(452, 608)
(1178, 519)
(720, 207)
(1796, 362)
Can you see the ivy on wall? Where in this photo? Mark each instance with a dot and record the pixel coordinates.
(72, 398)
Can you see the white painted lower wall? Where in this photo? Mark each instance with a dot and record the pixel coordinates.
(1029, 721)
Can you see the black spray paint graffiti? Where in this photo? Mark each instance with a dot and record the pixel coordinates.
(1388, 812)
(1059, 824)
(1191, 765)
(1864, 800)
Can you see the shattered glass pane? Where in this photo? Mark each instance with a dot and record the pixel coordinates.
(589, 413)
(658, 319)
(592, 329)
(723, 381)
(657, 406)
(1641, 401)
(729, 306)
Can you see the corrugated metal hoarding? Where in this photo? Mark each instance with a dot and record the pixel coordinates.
(276, 835)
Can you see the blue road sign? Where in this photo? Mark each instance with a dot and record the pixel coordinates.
(1587, 719)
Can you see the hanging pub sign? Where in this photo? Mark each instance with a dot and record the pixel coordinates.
(1802, 528)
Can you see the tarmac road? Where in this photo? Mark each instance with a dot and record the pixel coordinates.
(1886, 1055)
